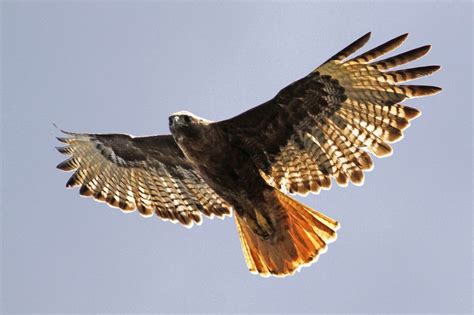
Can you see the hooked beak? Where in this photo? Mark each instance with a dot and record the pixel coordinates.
(174, 121)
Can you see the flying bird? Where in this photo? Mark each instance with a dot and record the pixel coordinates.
(318, 129)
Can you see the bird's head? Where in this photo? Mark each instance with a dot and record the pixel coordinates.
(185, 125)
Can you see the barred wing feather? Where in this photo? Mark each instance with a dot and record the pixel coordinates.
(324, 125)
(150, 174)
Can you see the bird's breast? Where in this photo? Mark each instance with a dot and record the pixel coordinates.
(227, 169)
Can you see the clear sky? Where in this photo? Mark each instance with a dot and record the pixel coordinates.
(406, 238)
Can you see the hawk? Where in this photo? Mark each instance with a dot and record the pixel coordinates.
(318, 128)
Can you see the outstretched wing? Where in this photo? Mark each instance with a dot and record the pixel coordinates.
(323, 125)
(150, 174)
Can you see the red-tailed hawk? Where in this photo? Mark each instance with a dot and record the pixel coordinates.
(320, 127)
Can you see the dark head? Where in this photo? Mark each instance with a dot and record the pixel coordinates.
(184, 125)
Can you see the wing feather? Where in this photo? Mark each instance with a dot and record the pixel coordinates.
(149, 174)
(402, 58)
(322, 126)
(379, 50)
(349, 50)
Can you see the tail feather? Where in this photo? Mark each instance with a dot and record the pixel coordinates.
(301, 234)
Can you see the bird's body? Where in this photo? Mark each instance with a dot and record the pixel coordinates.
(236, 178)
(318, 128)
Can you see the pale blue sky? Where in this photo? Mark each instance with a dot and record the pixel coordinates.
(406, 237)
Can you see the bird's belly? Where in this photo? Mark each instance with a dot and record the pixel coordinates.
(227, 169)
(233, 176)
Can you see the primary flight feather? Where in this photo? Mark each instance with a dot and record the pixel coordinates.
(320, 127)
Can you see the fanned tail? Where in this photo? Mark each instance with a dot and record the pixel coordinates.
(300, 234)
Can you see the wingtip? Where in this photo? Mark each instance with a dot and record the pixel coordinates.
(365, 38)
(436, 90)
(63, 150)
(425, 48)
(67, 165)
(402, 37)
(63, 140)
(435, 68)
(351, 48)
(424, 90)
(62, 130)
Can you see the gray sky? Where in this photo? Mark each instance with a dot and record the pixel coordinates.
(405, 241)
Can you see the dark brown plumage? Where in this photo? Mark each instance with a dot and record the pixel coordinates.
(320, 127)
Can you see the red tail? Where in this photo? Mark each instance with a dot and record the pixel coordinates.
(300, 235)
